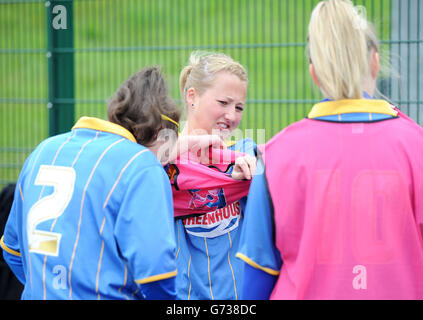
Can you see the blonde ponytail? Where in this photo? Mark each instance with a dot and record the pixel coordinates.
(339, 45)
(202, 69)
(183, 78)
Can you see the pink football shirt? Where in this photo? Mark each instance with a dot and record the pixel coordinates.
(348, 209)
(198, 188)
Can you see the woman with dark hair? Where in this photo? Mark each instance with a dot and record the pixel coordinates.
(92, 216)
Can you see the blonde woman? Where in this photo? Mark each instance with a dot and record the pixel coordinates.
(214, 89)
(340, 197)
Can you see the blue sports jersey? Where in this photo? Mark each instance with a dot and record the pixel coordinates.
(206, 248)
(75, 230)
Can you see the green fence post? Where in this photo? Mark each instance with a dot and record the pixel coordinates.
(61, 72)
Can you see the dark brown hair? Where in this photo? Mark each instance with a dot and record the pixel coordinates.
(139, 103)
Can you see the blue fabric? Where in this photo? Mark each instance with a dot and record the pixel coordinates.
(207, 266)
(115, 229)
(159, 290)
(257, 240)
(15, 265)
(260, 284)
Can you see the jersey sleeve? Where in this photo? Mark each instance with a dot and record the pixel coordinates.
(258, 285)
(10, 239)
(257, 246)
(144, 227)
(160, 290)
(247, 146)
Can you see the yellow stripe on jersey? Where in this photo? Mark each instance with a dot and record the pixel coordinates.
(189, 290)
(97, 278)
(330, 108)
(81, 211)
(208, 267)
(104, 221)
(120, 175)
(230, 265)
(20, 192)
(158, 277)
(179, 244)
(256, 265)
(7, 249)
(103, 125)
(230, 143)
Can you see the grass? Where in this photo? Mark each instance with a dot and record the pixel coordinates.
(114, 39)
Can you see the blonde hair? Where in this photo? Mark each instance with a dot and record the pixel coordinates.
(340, 42)
(202, 69)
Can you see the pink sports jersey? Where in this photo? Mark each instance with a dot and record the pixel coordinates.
(348, 208)
(199, 188)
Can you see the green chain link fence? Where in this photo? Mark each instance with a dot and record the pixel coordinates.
(60, 60)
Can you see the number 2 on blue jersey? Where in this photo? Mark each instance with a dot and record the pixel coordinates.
(62, 179)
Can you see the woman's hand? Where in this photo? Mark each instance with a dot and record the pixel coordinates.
(244, 167)
(198, 145)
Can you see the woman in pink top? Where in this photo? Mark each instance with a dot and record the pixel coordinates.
(342, 189)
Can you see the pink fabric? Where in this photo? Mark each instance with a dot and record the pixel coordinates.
(199, 188)
(348, 208)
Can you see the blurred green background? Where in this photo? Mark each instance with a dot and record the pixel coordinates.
(112, 39)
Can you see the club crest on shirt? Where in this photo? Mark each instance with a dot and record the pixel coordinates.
(213, 199)
(214, 224)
